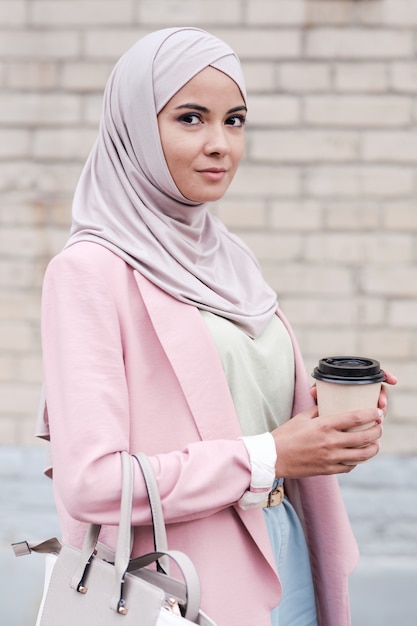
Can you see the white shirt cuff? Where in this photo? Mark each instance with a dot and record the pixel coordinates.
(263, 457)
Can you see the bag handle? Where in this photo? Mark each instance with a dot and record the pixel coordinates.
(123, 547)
(159, 533)
(123, 550)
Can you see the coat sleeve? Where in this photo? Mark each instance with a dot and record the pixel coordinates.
(88, 409)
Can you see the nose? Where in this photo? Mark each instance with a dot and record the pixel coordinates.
(217, 142)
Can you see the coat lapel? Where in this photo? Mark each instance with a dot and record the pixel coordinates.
(198, 368)
(195, 361)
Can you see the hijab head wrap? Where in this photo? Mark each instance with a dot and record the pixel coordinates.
(127, 201)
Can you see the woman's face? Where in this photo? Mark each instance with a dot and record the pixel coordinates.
(202, 135)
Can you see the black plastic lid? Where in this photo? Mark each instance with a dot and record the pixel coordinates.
(349, 370)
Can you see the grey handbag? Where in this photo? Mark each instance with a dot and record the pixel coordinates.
(92, 587)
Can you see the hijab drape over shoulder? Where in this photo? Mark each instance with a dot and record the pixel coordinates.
(127, 201)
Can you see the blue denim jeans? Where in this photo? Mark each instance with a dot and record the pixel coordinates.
(297, 606)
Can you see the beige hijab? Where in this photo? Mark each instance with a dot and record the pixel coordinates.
(127, 201)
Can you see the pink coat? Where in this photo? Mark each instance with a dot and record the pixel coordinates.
(128, 367)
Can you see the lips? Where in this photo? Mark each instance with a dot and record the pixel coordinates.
(213, 173)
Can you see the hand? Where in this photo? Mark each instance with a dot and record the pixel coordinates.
(309, 445)
(390, 379)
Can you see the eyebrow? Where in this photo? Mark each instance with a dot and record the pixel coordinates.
(198, 107)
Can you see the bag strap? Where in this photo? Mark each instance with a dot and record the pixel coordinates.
(50, 546)
(191, 584)
(123, 548)
(159, 532)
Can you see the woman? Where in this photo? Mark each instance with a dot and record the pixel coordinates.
(160, 335)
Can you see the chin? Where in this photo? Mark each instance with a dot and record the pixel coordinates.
(208, 195)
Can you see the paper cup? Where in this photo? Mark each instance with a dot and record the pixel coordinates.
(348, 383)
(336, 398)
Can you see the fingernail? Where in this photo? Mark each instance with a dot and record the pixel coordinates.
(381, 415)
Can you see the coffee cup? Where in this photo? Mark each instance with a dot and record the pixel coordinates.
(347, 383)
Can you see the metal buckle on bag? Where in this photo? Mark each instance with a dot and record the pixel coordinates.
(275, 497)
(172, 605)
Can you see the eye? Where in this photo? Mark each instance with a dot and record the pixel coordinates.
(236, 120)
(190, 118)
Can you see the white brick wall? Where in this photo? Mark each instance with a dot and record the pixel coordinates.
(326, 196)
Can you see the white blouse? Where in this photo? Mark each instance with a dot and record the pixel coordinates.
(260, 374)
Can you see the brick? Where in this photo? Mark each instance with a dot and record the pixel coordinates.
(406, 373)
(264, 181)
(8, 368)
(43, 45)
(321, 312)
(372, 311)
(18, 400)
(352, 215)
(404, 76)
(386, 343)
(14, 143)
(391, 282)
(331, 341)
(81, 13)
(359, 249)
(273, 246)
(293, 279)
(30, 109)
(400, 440)
(303, 146)
(16, 337)
(110, 44)
(322, 12)
(403, 313)
(84, 76)
(400, 216)
(273, 110)
(21, 242)
(358, 44)
(19, 306)
(361, 77)
(188, 12)
(52, 178)
(262, 44)
(39, 177)
(241, 213)
(71, 143)
(92, 108)
(35, 76)
(12, 13)
(296, 215)
(56, 239)
(304, 77)
(22, 209)
(391, 13)
(30, 369)
(359, 182)
(259, 76)
(359, 111)
(60, 214)
(17, 274)
(400, 147)
(271, 12)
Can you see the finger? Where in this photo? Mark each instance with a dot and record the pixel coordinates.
(362, 438)
(383, 398)
(390, 379)
(313, 392)
(355, 456)
(354, 419)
